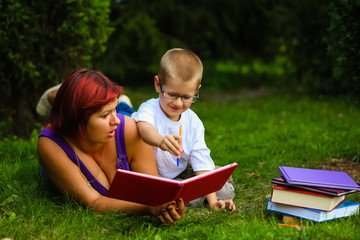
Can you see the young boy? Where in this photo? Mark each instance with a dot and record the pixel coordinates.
(158, 120)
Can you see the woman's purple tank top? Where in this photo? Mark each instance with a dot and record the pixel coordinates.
(120, 146)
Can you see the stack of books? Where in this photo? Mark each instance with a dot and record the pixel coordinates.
(317, 195)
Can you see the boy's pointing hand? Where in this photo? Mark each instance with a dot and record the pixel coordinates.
(172, 143)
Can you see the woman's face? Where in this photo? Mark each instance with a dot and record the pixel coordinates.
(102, 124)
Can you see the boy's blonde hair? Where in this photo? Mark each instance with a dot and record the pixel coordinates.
(181, 64)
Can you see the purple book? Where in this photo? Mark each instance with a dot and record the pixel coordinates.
(327, 191)
(318, 178)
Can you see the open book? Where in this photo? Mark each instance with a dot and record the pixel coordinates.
(154, 191)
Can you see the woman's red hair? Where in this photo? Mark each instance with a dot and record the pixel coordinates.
(83, 93)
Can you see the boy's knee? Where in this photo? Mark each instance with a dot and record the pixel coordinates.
(226, 192)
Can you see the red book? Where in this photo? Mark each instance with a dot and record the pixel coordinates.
(306, 199)
(154, 191)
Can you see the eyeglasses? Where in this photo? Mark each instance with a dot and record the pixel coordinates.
(174, 96)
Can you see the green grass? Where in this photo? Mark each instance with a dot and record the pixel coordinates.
(259, 133)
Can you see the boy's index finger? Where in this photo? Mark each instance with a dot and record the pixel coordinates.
(177, 143)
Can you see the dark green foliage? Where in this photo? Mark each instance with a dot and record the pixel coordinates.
(40, 42)
(298, 31)
(214, 30)
(135, 47)
(344, 45)
(243, 44)
(219, 29)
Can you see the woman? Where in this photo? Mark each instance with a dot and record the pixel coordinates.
(86, 141)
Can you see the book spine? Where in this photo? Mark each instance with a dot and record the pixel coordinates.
(283, 173)
(179, 191)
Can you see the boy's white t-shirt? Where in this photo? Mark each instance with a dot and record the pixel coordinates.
(193, 142)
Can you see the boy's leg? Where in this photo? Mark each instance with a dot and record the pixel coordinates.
(226, 192)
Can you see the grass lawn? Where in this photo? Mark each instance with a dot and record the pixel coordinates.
(261, 133)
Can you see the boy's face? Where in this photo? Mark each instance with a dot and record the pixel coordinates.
(174, 108)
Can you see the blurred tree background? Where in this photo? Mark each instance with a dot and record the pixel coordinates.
(243, 44)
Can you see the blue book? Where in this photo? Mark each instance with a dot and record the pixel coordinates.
(344, 209)
(318, 178)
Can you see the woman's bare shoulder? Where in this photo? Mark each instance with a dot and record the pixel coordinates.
(50, 152)
(131, 130)
(139, 153)
(46, 144)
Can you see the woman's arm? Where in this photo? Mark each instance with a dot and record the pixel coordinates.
(140, 155)
(68, 178)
